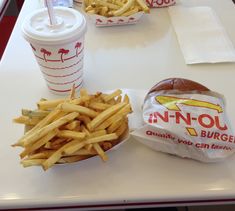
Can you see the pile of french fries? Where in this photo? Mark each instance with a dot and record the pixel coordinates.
(73, 129)
(113, 8)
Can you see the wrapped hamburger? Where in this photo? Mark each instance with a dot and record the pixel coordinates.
(185, 118)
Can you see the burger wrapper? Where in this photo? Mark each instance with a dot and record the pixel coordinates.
(102, 21)
(188, 125)
(160, 3)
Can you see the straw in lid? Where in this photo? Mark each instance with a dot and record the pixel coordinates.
(69, 24)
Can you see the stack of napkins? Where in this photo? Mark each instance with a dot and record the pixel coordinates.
(201, 36)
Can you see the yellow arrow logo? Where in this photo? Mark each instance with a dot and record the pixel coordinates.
(171, 103)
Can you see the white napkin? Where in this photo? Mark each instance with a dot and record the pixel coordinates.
(201, 36)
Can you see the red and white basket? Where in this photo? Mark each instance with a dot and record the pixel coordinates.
(101, 21)
(160, 3)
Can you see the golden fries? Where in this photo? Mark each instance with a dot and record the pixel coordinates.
(110, 8)
(73, 129)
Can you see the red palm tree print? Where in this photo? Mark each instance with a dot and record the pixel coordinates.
(110, 21)
(45, 53)
(77, 46)
(63, 52)
(98, 21)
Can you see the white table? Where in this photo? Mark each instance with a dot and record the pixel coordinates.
(133, 57)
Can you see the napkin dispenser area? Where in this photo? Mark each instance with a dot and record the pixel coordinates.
(201, 36)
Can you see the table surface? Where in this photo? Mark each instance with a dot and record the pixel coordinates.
(133, 57)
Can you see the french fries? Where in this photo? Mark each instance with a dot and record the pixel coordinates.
(73, 129)
(113, 8)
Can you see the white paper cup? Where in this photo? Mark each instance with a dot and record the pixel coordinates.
(58, 49)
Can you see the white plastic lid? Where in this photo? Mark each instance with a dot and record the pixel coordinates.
(70, 23)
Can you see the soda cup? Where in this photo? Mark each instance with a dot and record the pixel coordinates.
(58, 48)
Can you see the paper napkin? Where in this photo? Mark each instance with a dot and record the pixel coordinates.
(201, 36)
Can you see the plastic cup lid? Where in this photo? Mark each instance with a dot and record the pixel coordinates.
(70, 23)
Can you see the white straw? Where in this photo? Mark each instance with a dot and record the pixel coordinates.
(51, 13)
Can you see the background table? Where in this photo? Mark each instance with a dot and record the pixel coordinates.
(134, 57)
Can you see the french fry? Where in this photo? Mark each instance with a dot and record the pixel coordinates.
(71, 134)
(122, 112)
(107, 137)
(99, 106)
(130, 12)
(73, 148)
(84, 151)
(27, 120)
(83, 92)
(43, 131)
(116, 124)
(143, 6)
(85, 119)
(112, 102)
(41, 155)
(48, 119)
(49, 104)
(126, 99)
(56, 144)
(80, 100)
(73, 129)
(119, 99)
(72, 93)
(110, 8)
(117, 2)
(107, 4)
(105, 115)
(37, 113)
(116, 93)
(86, 3)
(97, 133)
(106, 145)
(103, 11)
(73, 125)
(120, 131)
(33, 162)
(39, 143)
(87, 146)
(123, 9)
(100, 152)
(67, 107)
(57, 155)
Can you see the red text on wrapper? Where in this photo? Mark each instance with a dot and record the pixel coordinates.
(204, 120)
(168, 136)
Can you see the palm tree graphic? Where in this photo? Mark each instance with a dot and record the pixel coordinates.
(63, 52)
(45, 53)
(98, 21)
(77, 46)
(131, 19)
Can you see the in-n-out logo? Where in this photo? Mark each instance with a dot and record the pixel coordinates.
(173, 114)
